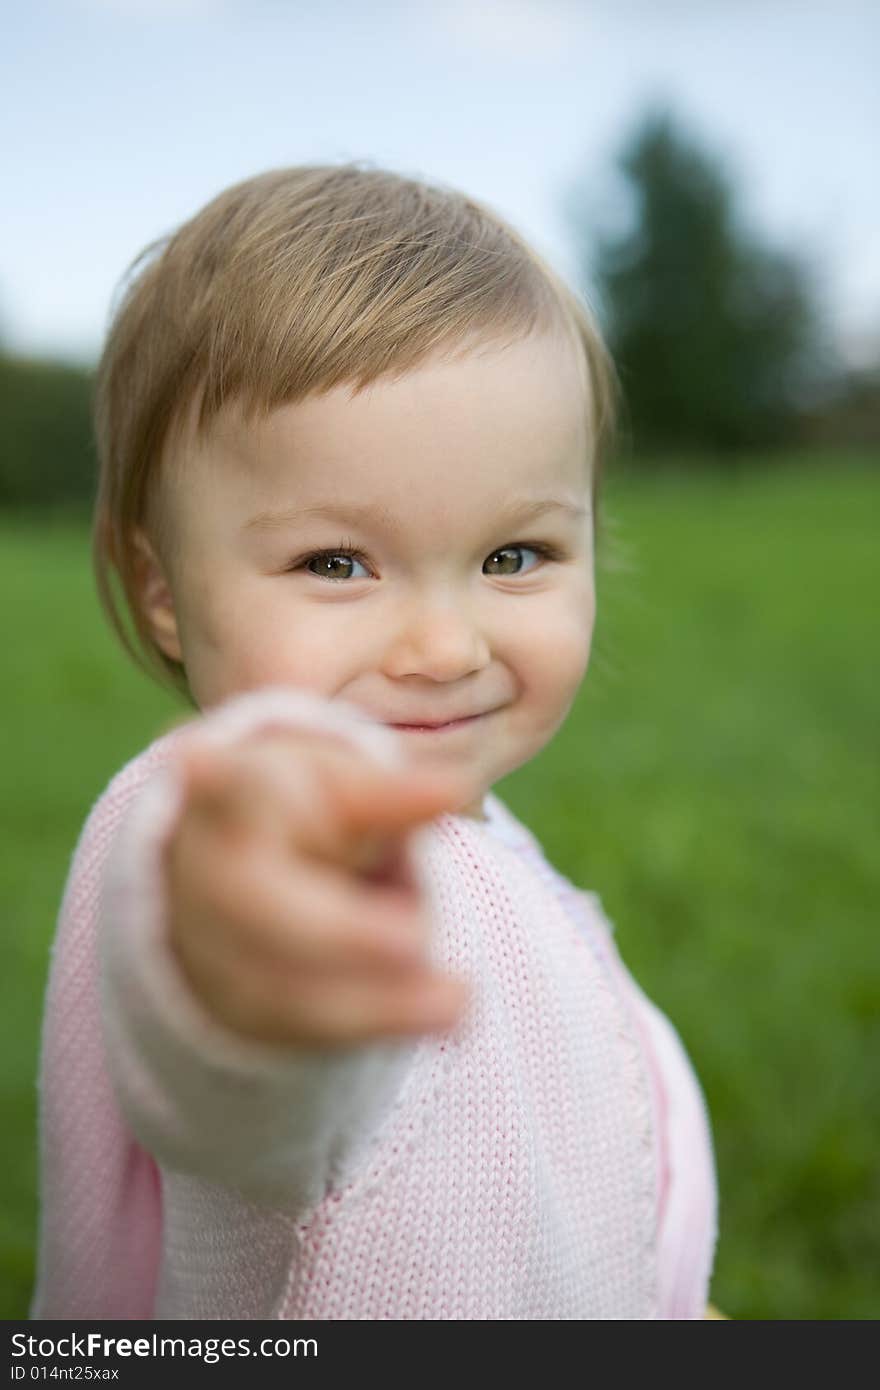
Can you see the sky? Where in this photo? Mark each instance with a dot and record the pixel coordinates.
(122, 117)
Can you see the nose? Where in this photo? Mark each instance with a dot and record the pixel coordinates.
(435, 637)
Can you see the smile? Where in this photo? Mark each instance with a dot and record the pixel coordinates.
(437, 728)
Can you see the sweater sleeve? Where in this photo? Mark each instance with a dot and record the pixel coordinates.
(274, 1123)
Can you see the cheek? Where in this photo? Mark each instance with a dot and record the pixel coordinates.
(260, 642)
(556, 644)
(552, 657)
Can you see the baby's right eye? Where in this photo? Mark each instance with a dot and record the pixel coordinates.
(326, 559)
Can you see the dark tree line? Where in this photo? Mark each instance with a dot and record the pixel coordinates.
(47, 456)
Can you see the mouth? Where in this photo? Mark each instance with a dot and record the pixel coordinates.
(437, 728)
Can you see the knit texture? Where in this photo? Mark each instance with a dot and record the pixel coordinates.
(549, 1158)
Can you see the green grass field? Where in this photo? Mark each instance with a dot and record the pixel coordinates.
(716, 783)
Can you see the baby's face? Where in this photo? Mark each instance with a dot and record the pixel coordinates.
(467, 600)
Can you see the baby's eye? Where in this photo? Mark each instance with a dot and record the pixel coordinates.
(333, 564)
(509, 557)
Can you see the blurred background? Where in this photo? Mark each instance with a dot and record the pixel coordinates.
(705, 173)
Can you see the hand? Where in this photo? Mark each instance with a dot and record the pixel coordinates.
(293, 908)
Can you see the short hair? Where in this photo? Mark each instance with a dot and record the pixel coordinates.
(287, 285)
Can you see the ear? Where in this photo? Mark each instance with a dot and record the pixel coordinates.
(155, 598)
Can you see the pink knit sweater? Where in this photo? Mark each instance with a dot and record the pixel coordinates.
(549, 1158)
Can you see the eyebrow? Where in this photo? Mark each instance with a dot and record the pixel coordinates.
(518, 510)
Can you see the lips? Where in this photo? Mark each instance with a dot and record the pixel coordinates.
(430, 724)
(447, 723)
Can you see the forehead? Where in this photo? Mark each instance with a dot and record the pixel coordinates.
(488, 420)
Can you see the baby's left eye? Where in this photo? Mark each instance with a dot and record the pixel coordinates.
(508, 554)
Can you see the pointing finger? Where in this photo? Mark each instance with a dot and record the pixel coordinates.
(393, 799)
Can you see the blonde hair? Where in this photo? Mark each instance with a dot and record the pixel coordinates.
(289, 284)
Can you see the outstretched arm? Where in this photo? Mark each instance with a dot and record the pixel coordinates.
(263, 991)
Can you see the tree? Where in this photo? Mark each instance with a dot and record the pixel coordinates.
(716, 337)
